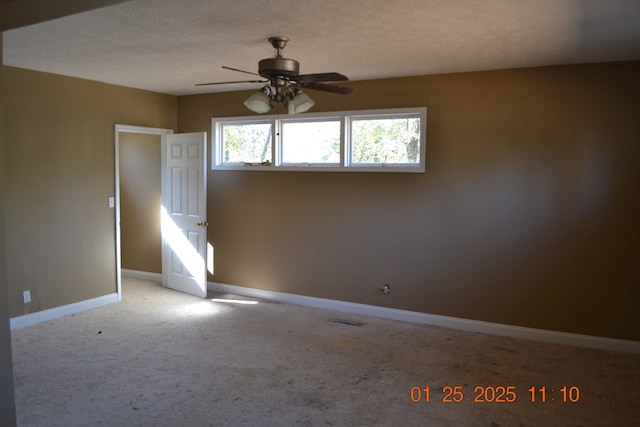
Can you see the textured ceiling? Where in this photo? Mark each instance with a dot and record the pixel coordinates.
(169, 45)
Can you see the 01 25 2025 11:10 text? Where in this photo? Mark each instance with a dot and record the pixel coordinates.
(496, 394)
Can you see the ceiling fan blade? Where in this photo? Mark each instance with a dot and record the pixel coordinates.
(226, 83)
(321, 77)
(341, 90)
(240, 71)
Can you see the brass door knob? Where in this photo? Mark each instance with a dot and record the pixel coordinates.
(202, 224)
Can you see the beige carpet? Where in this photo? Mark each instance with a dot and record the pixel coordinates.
(162, 358)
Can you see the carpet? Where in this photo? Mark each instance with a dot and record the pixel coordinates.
(163, 358)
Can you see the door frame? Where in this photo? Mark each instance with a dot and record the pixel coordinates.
(161, 132)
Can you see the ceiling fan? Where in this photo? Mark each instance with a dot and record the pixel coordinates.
(284, 82)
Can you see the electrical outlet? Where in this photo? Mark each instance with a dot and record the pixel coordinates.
(386, 289)
(26, 297)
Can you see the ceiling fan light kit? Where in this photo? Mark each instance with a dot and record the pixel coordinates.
(259, 102)
(284, 83)
(300, 103)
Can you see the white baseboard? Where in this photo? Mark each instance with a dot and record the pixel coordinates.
(565, 338)
(142, 275)
(65, 310)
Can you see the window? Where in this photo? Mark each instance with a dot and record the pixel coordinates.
(382, 140)
(373, 140)
(246, 142)
(309, 142)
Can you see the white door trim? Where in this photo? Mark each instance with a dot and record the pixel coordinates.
(126, 129)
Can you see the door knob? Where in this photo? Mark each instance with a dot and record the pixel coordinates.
(202, 223)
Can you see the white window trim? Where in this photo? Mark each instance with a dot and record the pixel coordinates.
(345, 165)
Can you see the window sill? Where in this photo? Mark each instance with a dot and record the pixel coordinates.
(316, 168)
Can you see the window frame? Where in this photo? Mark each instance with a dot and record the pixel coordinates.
(308, 118)
(346, 164)
(217, 148)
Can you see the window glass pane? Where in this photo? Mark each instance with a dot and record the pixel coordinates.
(386, 140)
(311, 142)
(246, 143)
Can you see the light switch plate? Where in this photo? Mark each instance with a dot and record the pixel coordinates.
(112, 202)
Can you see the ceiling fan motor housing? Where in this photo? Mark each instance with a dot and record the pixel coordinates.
(278, 67)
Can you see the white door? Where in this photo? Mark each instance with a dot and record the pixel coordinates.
(184, 213)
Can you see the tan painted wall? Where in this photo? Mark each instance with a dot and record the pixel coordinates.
(20, 13)
(527, 215)
(140, 201)
(59, 151)
(7, 413)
